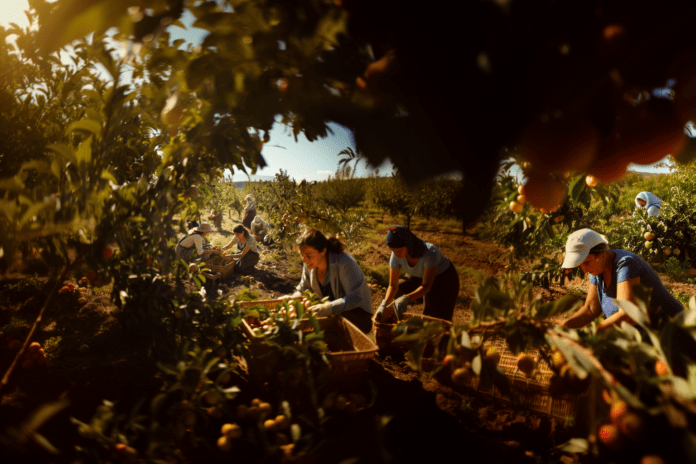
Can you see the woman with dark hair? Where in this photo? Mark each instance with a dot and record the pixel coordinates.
(247, 251)
(613, 274)
(329, 271)
(430, 275)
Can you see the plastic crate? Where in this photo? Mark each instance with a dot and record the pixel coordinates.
(531, 391)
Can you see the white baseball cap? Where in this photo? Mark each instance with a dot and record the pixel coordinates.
(578, 246)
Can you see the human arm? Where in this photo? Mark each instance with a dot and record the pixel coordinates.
(654, 211)
(587, 312)
(624, 292)
(348, 285)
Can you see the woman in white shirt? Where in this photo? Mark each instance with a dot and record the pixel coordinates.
(247, 250)
(193, 241)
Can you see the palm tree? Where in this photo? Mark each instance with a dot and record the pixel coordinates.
(349, 155)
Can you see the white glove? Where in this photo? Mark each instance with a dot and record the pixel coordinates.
(321, 309)
(294, 296)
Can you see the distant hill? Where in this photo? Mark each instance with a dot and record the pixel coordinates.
(646, 174)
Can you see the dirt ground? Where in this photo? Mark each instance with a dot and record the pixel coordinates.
(430, 418)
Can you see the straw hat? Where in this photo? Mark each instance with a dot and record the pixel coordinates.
(204, 227)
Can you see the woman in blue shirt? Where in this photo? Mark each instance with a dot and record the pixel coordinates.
(613, 274)
(329, 271)
(431, 276)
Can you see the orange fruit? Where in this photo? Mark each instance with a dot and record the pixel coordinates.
(609, 435)
(560, 144)
(107, 253)
(632, 426)
(591, 181)
(526, 363)
(459, 376)
(649, 236)
(224, 444)
(493, 355)
(661, 368)
(516, 207)
(41, 360)
(449, 360)
(269, 425)
(34, 347)
(71, 287)
(282, 422)
(692, 271)
(65, 289)
(617, 411)
(231, 431)
(27, 364)
(543, 191)
(652, 459)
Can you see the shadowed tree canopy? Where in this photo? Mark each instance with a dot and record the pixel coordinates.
(433, 87)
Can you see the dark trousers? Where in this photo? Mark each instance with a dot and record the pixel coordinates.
(360, 318)
(246, 263)
(440, 300)
(248, 217)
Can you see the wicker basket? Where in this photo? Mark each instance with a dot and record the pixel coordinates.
(349, 352)
(384, 336)
(532, 391)
(226, 269)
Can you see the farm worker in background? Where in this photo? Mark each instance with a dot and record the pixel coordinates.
(249, 211)
(193, 241)
(613, 274)
(247, 250)
(430, 275)
(650, 202)
(259, 229)
(329, 271)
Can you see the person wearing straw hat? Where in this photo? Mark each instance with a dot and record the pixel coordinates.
(259, 229)
(193, 241)
(249, 211)
(650, 202)
(431, 276)
(329, 271)
(613, 274)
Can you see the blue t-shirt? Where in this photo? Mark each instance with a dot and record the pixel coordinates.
(432, 257)
(628, 266)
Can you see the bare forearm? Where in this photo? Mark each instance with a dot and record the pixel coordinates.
(582, 317)
(615, 318)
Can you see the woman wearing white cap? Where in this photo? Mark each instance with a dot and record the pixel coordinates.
(249, 211)
(193, 241)
(650, 202)
(613, 274)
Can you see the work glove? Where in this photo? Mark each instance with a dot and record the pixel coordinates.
(379, 314)
(294, 296)
(321, 309)
(400, 305)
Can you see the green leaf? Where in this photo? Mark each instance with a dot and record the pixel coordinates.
(633, 311)
(576, 187)
(66, 152)
(575, 445)
(84, 125)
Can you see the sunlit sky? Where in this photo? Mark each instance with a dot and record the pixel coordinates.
(302, 160)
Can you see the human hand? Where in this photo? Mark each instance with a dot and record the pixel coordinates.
(321, 309)
(400, 305)
(379, 314)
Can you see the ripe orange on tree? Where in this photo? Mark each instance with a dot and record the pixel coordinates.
(107, 252)
(544, 192)
(617, 411)
(608, 434)
(559, 144)
(661, 368)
